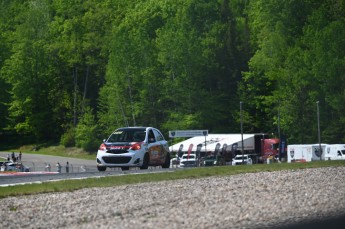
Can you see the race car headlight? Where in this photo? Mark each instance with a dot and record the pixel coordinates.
(102, 147)
(136, 146)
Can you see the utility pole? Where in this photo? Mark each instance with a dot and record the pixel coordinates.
(242, 131)
(318, 129)
(279, 135)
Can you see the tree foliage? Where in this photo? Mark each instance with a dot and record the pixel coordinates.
(86, 133)
(295, 65)
(71, 68)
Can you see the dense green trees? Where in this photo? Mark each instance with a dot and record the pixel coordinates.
(298, 62)
(76, 70)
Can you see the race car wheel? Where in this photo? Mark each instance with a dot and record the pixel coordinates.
(166, 164)
(101, 168)
(145, 161)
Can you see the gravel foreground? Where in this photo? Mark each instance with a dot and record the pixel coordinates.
(255, 200)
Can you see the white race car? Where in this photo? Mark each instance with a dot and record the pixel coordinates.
(134, 147)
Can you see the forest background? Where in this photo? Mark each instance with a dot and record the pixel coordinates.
(71, 72)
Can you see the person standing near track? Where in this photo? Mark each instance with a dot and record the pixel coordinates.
(48, 167)
(58, 167)
(67, 167)
(13, 157)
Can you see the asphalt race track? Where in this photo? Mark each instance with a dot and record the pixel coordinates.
(79, 169)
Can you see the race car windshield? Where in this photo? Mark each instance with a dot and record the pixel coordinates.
(128, 135)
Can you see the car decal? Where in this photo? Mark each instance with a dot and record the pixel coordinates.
(119, 147)
(156, 154)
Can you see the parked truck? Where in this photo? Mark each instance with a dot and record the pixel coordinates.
(259, 148)
(269, 149)
(226, 146)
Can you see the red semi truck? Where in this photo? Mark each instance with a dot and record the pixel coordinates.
(259, 147)
(269, 148)
(264, 147)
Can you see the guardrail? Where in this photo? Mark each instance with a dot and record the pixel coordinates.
(71, 168)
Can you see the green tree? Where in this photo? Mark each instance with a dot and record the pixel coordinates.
(170, 67)
(324, 39)
(86, 136)
(131, 91)
(293, 65)
(27, 71)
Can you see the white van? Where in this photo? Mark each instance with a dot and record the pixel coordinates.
(335, 152)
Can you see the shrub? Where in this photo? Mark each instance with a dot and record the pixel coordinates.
(68, 138)
(86, 132)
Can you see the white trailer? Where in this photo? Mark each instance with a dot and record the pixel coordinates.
(335, 152)
(306, 153)
(299, 153)
(317, 156)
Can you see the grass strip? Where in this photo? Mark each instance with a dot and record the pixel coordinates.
(56, 150)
